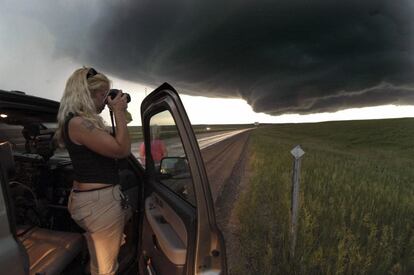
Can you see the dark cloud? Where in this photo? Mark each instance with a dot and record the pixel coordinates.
(297, 56)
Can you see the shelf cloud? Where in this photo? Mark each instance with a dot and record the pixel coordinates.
(280, 56)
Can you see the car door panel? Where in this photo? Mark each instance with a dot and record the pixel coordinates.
(179, 233)
(13, 256)
(168, 223)
(168, 228)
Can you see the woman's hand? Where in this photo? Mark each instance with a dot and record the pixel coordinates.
(119, 103)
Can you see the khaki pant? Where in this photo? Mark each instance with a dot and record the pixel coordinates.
(100, 214)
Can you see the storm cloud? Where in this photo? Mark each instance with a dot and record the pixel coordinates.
(280, 56)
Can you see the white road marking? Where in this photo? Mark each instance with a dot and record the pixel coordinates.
(208, 141)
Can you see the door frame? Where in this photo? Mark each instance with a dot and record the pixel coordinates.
(210, 254)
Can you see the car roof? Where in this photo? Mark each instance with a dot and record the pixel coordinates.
(22, 109)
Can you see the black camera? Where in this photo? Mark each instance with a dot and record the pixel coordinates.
(113, 92)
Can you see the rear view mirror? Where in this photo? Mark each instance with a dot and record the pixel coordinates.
(174, 166)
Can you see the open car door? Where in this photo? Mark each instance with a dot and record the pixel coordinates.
(179, 233)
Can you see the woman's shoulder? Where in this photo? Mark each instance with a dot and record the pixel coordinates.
(80, 122)
(75, 120)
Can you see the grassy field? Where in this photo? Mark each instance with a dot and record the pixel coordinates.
(357, 199)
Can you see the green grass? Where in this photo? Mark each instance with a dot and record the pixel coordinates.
(357, 199)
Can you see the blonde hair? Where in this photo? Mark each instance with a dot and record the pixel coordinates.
(77, 99)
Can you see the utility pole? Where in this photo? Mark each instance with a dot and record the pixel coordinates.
(297, 153)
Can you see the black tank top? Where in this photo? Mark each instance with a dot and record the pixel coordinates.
(88, 165)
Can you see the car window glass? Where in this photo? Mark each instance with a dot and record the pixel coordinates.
(170, 160)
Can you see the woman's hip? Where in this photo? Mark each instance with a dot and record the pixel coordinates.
(95, 210)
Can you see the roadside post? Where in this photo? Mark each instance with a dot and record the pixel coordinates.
(297, 153)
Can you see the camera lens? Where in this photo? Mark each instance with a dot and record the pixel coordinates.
(113, 92)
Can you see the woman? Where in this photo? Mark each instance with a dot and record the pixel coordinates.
(95, 199)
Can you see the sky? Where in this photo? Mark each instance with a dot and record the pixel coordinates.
(233, 61)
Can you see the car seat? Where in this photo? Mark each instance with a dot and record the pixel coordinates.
(49, 251)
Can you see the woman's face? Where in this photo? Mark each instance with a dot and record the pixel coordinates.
(99, 97)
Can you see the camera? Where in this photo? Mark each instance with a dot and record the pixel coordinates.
(113, 92)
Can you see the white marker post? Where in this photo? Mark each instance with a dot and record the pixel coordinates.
(297, 153)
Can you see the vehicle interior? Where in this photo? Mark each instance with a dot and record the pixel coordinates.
(39, 184)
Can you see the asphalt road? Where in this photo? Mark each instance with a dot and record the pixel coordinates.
(221, 158)
(227, 169)
(221, 153)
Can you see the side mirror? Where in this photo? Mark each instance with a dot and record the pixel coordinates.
(174, 166)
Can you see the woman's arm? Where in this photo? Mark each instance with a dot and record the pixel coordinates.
(122, 135)
(83, 132)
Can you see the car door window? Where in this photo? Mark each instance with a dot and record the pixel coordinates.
(169, 157)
